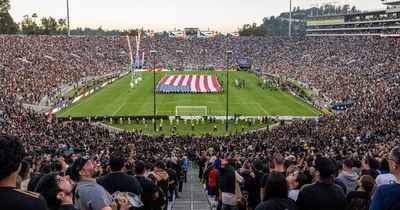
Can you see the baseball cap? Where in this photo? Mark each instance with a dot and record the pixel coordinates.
(76, 166)
(217, 163)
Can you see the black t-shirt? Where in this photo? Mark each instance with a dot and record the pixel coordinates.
(67, 207)
(15, 199)
(253, 187)
(201, 163)
(244, 187)
(277, 204)
(120, 182)
(321, 196)
(178, 167)
(265, 177)
(172, 176)
(342, 185)
(149, 188)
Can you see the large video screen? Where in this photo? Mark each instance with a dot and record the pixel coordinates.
(191, 31)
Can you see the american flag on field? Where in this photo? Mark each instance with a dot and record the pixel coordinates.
(189, 84)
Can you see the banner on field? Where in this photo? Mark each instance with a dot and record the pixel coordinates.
(189, 84)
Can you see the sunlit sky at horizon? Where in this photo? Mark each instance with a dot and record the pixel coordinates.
(159, 15)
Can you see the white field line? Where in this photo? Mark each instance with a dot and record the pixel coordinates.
(118, 109)
(262, 109)
(301, 104)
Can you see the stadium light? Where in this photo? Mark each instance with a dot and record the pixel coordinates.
(290, 18)
(153, 53)
(69, 32)
(228, 54)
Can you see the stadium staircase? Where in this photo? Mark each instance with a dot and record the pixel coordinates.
(193, 196)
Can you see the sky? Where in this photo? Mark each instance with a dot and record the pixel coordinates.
(159, 15)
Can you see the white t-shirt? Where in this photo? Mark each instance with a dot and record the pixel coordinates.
(385, 179)
(293, 194)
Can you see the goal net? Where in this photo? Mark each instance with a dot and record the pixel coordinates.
(191, 110)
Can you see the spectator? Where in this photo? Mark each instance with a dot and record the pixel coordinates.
(323, 194)
(295, 179)
(57, 190)
(212, 178)
(253, 185)
(385, 176)
(173, 180)
(348, 176)
(89, 194)
(372, 168)
(150, 190)
(386, 196)
(276, 197)
(117, 180)
(11, 156)
(277, 165)
(228, 184)
(162, 179)
(361, 198)
(25, 174)
(185, 166)
(162, 199)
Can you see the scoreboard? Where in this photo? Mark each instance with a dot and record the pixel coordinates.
(192, 32)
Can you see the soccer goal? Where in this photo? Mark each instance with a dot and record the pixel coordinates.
(191, 110)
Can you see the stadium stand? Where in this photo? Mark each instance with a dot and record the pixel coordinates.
(363, 70)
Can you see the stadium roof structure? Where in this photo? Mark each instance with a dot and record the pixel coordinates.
(346, 14)
(380, 22)
(391, 2)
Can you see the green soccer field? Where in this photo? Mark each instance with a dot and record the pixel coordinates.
(119, 99)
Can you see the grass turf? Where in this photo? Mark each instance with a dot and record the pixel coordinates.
(118, 99)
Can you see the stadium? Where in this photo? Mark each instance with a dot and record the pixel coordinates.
(195, 119)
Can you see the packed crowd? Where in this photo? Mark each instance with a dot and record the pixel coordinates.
(359, 140)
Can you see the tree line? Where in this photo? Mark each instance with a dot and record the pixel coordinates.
(31, 25)
(270, 26)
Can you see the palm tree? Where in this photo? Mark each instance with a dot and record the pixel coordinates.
(34, 16)
(61, 25)
(4, 6)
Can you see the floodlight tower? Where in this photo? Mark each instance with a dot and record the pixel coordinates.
(153, 54)
(69, 32)
(228, 55)
(290, 18)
